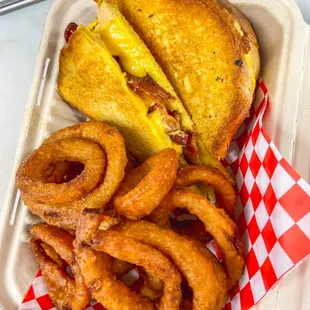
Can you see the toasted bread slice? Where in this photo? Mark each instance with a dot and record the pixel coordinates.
(206, 56)
(134, 57)
(91, 80)
(252, 59)
(88, 62)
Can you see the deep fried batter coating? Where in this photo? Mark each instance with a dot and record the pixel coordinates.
(61, 288)
(208, 283)
(87, 210)
(50, 251)
(144, 187)
(31, 176)
(65, 292)
(224, 191)
(125, 248)
(103, 285)
(216, 222)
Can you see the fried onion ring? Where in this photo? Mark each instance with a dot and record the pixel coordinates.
(112, 143)
(208, 284)
(125, 248)
(108, 221)
(224, 191)
(31, 176)
(49, 244)
(50, 251)
(216, 222)
(144, 187)
(103, 285)
(87, 210)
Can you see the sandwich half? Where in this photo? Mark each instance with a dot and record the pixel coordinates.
(209, 52)
(108, 73)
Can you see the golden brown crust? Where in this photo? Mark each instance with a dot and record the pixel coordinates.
(248, 30)
(61, 288)
(203, 60)
(66, 215)
(31, 176)
(66, 293)
(216, 222)
(224, 191)
(122, 247)
(202, 275)
(103, 285)
(91, 81)
(145, 187)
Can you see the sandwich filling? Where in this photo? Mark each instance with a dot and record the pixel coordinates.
(170, 120)
(140, 75)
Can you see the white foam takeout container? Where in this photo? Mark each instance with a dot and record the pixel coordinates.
(283, 37)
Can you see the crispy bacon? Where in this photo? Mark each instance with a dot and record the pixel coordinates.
(191, 151)
(169, 122)
(154, 107)
(176, 115)
(179, 137)
(172, 123)
(147, 86)
(69, 30)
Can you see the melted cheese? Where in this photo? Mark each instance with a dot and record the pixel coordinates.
(238, 27)
(249, 62)
(156, 120)
(122, 41)
(136, 60)
(120, 44)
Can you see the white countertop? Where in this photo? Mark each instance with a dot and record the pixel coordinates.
(20, 34)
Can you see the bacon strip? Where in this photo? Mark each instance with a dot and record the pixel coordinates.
(169, 122)
(180, 137)
(171, 119)
(191, 151)
(147, 86)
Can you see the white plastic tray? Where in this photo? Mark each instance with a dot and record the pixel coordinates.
(283, 37)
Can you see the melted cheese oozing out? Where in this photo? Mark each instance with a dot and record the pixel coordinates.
(134, 56)
(249, 62)
(156, 119)
(135, 59)
(120, 43)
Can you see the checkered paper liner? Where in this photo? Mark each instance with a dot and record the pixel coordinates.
(272, 214)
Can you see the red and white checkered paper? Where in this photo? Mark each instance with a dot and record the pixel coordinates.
(273, 215)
